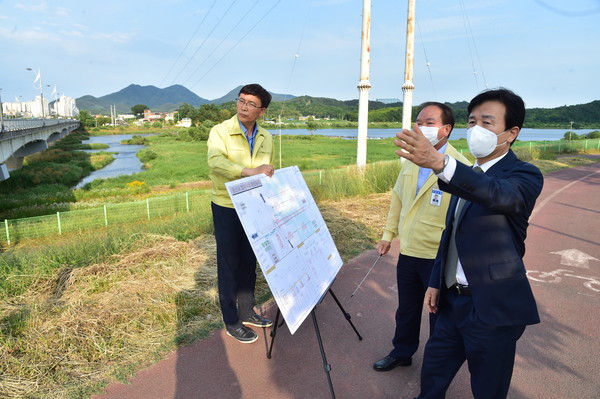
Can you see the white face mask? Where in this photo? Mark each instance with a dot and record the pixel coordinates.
(430, 133)
(482, 142)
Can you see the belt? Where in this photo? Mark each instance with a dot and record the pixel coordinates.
(460, 289)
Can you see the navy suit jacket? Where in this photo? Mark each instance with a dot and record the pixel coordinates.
(490, 238)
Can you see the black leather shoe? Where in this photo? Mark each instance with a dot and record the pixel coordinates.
(243, 334)
(257, 321)
(389, 362)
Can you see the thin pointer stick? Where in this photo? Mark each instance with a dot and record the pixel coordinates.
(366, 275)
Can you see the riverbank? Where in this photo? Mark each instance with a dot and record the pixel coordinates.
(45, 184)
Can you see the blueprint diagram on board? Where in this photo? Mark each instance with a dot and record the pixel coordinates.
(290, 239)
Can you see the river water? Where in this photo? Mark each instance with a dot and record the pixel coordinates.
(457, 133)
(127, 163)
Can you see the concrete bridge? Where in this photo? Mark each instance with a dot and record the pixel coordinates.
(22, 137)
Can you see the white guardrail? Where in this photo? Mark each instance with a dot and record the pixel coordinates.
(12, 125)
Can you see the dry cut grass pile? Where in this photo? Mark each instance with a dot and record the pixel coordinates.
(70, 335)
(93, 322)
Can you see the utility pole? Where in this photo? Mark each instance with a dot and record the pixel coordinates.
(1, 113)
(364, 86)
(570, 131)
(41, 87)
(408, 86)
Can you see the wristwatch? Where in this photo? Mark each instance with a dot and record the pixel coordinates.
(446, 160)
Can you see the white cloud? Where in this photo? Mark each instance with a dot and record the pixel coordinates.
(42, 6)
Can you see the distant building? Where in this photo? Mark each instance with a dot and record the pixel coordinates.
(185, 122)
(150, 116)
(388, 100)
(65, 107)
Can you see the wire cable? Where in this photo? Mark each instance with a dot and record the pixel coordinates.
(188, 43)
(218, 23)
(427, 63)
(471, 42)
(296, 55)
(233, 28)
(237, 43)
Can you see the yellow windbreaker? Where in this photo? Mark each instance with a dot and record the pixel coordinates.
(414, 217)
(229, 154)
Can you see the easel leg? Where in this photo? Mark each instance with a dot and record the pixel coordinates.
(273, 334)
(346, 314)
(325, 364)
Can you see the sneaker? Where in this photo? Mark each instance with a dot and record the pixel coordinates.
(257, 321)
(243, 334)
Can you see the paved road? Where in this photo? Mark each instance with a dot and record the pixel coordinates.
(556, 359)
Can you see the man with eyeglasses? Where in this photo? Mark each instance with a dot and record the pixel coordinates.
(237, 148)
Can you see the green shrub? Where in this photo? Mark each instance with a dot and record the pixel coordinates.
(136, 140)
(146, 155)
(594, 135)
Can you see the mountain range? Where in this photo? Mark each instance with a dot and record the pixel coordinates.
(167, 99)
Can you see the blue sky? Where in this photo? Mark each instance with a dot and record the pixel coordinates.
(548, 51)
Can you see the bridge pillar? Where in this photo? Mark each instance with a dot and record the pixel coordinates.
(31, 148)
(3, 172)
(14, 163)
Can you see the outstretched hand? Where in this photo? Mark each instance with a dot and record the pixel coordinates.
(416, 148)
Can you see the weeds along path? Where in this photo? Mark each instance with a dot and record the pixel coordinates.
(72, 331)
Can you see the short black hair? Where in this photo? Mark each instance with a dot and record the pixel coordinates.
(515, 106)
(257, 90)
(447, 114)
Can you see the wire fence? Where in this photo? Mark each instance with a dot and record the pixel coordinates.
(154, 208)
(105, 216)
(561, 146)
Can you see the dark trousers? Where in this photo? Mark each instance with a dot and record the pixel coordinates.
(459, 334)
(412, 276)
(236, 266)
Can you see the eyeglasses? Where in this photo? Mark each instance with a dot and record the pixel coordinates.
(250, 104)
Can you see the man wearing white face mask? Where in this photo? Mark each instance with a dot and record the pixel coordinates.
(478, 286)
(416, 216)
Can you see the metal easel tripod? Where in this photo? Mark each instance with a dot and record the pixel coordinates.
(326, 365)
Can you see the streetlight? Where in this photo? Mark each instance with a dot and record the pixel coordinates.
(41, 87)
(1, 113)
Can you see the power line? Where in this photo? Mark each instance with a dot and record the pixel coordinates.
(427, 63)
(238, 42)
(471, 39)
(234, 27)
(568, 13)
(296, 55)
(188, 43)
(205, 39)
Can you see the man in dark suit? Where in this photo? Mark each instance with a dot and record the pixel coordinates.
(478, 285)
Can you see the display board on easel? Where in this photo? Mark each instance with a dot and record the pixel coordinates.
(291, 241)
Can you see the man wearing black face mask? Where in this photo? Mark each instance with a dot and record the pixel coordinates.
(478, 285)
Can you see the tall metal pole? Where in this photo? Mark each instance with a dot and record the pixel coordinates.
(364, 86)
(408, 86)
(41, 87)
(1, 113)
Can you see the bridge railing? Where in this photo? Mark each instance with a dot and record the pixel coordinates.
(12, 125)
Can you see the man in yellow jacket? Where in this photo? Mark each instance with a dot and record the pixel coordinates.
(237, 148)
(417, 217)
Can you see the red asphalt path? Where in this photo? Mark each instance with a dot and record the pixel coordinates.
(556, 359)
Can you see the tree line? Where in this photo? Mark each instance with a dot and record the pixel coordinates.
(581, 116)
